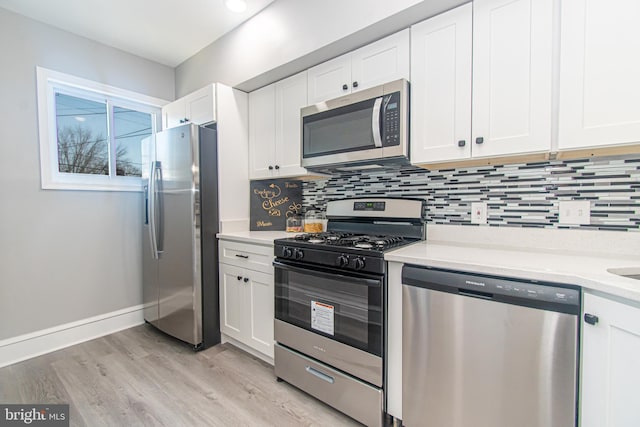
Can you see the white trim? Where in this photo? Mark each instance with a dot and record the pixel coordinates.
(27, 346)
(50, 178)
(242, 346)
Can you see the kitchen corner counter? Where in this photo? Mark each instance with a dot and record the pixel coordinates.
(584, 269)
(264, 238)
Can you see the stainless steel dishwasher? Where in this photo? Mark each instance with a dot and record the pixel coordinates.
(486, 351)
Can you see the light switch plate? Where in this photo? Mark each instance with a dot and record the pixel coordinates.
(478, 213)
(574, 212)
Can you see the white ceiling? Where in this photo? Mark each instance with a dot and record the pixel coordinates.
(165, 31)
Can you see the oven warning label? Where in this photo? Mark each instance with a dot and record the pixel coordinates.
(322, 317)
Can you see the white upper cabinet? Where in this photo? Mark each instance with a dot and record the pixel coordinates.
(512, 69)
(377, 63)
(441, 87)
(610, 364)
(481, 81)
(198, 107)
(262, 121)
(291, 96)
(274, 128)
(599, 73)
(330, 79)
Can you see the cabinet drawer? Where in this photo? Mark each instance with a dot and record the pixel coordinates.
(345, 393)
(246, 255)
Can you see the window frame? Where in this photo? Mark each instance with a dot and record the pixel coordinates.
(49, 83)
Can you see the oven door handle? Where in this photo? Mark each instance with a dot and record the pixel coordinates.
(373, 282)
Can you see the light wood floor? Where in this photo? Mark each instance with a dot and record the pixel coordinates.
(142, 377)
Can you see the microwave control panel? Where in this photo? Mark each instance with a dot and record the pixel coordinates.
(391, 120)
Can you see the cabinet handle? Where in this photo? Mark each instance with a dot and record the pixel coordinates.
(355, 84)
(239, 277)
(270, 167)
(246, 279)
(591, 319)
(345, 87)
(181, 120)
(242, 256)
(277, 167)
(479, 140)
(462, 143)
(186, 120)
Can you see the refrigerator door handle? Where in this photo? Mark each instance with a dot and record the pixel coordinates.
(151, 200)
(160, 197)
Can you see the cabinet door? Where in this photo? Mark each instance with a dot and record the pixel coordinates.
(381, 62)
(599, 75)
(259, 306)
(512, 43)
(232, 303)
(262, 119)
(291, 96)
(200, 105)
(610, 364)
(173, 114)
(330, 79)
(441, 87)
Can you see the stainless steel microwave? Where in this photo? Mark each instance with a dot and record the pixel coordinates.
(364, 129)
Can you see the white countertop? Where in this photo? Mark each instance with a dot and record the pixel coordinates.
(579, 268)
(256, 237)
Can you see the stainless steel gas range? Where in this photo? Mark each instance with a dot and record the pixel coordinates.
(330, 302)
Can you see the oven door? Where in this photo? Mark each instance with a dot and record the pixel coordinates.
(333, 316)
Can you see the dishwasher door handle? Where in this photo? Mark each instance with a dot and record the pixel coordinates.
(475, 294)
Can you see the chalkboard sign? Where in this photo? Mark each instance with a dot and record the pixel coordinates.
(273, 201)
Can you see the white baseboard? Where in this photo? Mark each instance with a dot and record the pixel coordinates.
(246, 348)
(23, 347)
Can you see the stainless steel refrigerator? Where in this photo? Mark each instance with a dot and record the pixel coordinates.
(180, 274)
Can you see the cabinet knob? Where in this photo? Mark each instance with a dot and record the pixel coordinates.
(270, 167)
(239, 277)
(479, 140)
(591, 319)
(355, 84)
(277, 167)
(345, 87)
(462, 143)
(246, 279)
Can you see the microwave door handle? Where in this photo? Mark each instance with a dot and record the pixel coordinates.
(375, 123)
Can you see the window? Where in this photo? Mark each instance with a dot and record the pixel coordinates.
(91, 134)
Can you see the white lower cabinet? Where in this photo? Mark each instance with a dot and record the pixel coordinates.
(246, 296)
(610, 364)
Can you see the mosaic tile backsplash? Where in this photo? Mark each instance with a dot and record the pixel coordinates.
(517, 195)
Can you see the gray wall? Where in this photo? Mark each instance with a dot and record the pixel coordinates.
(291, 35)
(64, 255)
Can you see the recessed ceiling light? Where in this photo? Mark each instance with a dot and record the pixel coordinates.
(236, 5)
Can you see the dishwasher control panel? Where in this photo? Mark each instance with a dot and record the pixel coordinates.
(548, 295)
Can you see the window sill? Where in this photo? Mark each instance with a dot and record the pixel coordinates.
(93, 187)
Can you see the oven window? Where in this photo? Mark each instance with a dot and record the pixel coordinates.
(348, 310)
(337, 131)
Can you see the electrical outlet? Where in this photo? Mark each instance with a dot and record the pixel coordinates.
(575, 212)
(478, 213)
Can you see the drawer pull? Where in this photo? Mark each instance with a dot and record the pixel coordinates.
(319, 374)
(242, 256)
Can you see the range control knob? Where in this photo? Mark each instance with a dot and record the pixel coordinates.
(287, 252)
(342, 261)
(299, 254)
(358, 263)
